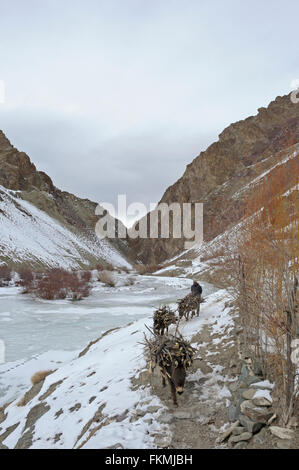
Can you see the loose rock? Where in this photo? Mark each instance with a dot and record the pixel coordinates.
(227, 433)
(241, 445)
(282, 433)
(251, 426)
(245, 436)
(261, 401)
(255, 413)
(238, 430)
(248, 394)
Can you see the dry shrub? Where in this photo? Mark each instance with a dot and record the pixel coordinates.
(264, 275)
(26, 281)
(58, 283)
(106, 278)
(5, 276)
(39, 376)
(22, 402)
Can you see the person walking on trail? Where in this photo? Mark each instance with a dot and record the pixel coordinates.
(196, 290)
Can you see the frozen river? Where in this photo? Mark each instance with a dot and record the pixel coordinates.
(31, 326)
(41, 335)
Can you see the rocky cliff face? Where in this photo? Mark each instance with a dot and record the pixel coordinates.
(244, 151)
(75, 215)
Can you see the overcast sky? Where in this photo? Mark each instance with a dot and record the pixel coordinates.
(118, 96)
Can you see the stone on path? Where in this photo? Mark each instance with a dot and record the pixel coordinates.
(245, 436)
(238, 430)
(228, 432)
(282, 433)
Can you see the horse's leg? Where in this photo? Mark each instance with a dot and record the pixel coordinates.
(173, 392)
(163, 379)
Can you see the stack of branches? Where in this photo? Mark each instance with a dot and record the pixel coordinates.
(163, 317)
(166, 350)
(188, 304)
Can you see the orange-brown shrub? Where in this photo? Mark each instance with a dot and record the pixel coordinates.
(39, 376)
(26, 281)
(58, 283)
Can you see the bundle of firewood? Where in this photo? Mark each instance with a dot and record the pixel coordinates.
(166, 350)
(188, 303)
(163, 317)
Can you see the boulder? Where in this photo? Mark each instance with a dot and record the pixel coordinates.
(255, 413)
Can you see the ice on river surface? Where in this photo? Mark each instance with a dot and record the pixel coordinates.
(39, 333)
(31, 326)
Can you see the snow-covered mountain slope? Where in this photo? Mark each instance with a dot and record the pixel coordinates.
(98, 398)
(42, 226)
(30, 236)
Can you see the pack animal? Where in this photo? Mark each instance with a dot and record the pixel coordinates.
(163, 318)
(173, 355)
(189, 304)
(175, 374)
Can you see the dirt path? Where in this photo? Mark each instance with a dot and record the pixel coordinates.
(202, 409)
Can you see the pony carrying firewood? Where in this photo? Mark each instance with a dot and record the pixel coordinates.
(189, 304)
(163, 318)
(174, 355)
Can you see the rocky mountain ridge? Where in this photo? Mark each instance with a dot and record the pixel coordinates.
(245, 150)
(77, 216)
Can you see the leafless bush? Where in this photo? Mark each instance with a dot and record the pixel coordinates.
(5, 276)
(58, 283)
(26, 281)
(263, 270)
(39, 376)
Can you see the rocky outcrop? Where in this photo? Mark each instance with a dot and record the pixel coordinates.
(244, 151)
(17, 172)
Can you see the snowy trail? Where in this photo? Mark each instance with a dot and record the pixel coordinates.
(91, 402)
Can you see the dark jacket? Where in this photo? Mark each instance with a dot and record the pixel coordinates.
(196, 289)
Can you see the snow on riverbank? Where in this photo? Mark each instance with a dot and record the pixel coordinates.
(91, 401)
